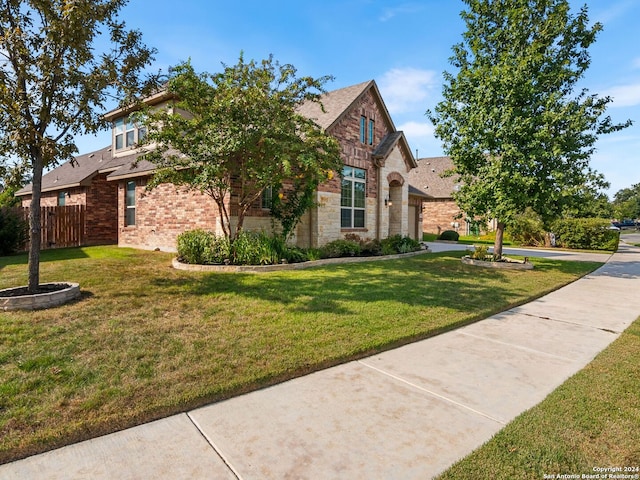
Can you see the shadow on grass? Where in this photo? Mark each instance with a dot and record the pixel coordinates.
(54, 255)
(430, 281)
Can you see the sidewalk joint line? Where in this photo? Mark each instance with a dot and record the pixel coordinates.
(519, 347)
(214, 447)
(437, 395)
(576, 324)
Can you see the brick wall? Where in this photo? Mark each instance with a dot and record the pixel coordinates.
(353, 152)
(102, 211)
(437, 216)
(162, 214)
(73, 196)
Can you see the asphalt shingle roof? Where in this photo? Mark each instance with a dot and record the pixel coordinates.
(78, 172)
(428, 177)
(335, 103)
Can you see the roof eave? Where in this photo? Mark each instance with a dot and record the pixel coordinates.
(154, 99)
(123, 176)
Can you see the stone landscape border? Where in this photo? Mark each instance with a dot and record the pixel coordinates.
(287, 266)
(508, 265)
(39, 301)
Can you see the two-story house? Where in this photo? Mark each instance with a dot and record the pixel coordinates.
(371, 198)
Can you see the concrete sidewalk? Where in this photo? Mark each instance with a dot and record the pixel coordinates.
(406, 413)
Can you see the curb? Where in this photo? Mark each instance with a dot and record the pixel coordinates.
(286, 266)
(41, 300)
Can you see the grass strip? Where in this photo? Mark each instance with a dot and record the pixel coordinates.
(146, 341)
(589, 423)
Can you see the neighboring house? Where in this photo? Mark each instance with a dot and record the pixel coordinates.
(439, 210)
(372, 200)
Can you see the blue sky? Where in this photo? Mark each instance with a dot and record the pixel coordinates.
(403, 45)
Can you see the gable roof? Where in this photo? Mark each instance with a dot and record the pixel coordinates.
(79, 171)
(428, 177)
(337, 103)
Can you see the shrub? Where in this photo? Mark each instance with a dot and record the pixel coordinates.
(341, 248)
(481, 252)
(449, 235)
(256, 248)
(585, 233)
(528, 229)
(372, 247)
(295, 255)
(14, 232)
(399, 244)
(202, 248)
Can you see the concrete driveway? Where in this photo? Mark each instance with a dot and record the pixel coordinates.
(554, 254)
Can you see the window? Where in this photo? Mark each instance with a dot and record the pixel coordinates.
(371, 130)
(267, 198)
(131, 134)
(62, 198)
(127, 134)
(118, 130)
(363, 125)
(352, 201)
(130, 214)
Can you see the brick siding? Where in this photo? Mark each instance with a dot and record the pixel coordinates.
(162, 214)
(437, 216)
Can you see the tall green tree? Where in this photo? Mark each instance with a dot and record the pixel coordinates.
(240, 136)
(62, 61)
(626, 202)
(12, 179)
(518, 132)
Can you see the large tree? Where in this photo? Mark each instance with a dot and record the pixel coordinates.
(238, 134)
(626, 203)
(518, 132)
(62, 63)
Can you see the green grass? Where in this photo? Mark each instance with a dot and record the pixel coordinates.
(592, 420)
(146, 341)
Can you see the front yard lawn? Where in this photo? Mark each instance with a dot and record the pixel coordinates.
(146, 341)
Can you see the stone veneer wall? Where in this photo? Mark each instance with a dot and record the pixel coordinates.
(323, 224)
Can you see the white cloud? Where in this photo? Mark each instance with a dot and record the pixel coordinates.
(613, 11)
(624, 95)
(417, 129)
(389, 13)
(407, 89)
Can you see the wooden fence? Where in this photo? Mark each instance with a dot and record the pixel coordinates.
(60, 226)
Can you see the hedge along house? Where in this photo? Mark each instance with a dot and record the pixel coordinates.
(372, 200)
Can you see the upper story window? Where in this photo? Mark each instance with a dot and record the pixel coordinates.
(62, 199)
(367, 130)
(127, 134)
(352, 198)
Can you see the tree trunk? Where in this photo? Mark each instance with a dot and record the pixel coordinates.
(35, 226)
(497, 246)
